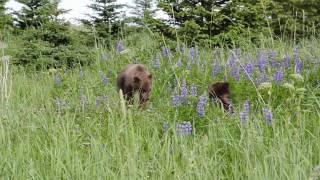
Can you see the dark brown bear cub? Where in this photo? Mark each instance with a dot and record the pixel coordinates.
(220, 91)
(135, 78)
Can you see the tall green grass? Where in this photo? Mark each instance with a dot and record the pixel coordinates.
(81, 141)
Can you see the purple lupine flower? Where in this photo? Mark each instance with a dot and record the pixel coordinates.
(184, 129)
(179, 63)
(268, 116)
(235, 73)
(166, 127)
(287, 61)
(157, 63)
(262, 62)
(216, 70)
(61, 104)
(298, 61)
(273, 57)
(247, 106)
(194, 90)
(244, 118)
(192, 55)
(249, 70)
(100, 100)
(299, 66)
(176, 100)
(166, 52)
(232, 61)
(279, 76)
(201, 106)
(57, 80)
(184, 89)
(104, 78)
(84, 100)
(120, 46)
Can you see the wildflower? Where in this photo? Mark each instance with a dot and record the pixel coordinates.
(272, 57)
(244, 118)
(268, 116)
(61, 104)
(262, 62)
(100, 100)
(184, 129)
(299, 65)
(176, 100)
(265, 85)
(166, 52)
(194, 91)
(216, 70)
(247, 106)
(279, 76)
(249, 69)
(120, 46)
(157, 63)
(201, 106)
(193, 55)
(57, 80)
(287, 61)
(184, 90)
(104, 78)
(232, 61)
(235, 73)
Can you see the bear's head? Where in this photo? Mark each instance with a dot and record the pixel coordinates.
(144, 86)
(221, 91)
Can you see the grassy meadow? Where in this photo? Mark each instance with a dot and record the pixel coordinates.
(72, 124)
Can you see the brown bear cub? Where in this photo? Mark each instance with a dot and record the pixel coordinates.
(220, 91)
(135, 78)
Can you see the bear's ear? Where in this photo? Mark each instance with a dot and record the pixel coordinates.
(150, 76)
(136, 79)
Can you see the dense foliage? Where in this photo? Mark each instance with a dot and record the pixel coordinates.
(46, 40)
(106, 21)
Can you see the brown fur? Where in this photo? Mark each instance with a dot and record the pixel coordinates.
(221, 91)
(135, 78)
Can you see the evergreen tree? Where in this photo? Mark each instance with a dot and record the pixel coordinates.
(106, 20)
(203, 20)
(34, 13)
(142, 9)
(46, 40)
(5, 19)
(294, 19)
